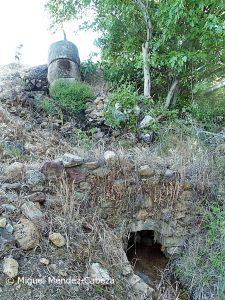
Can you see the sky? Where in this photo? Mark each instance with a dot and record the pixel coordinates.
(26, 22)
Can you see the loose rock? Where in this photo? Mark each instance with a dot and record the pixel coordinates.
(31, 211)
(186, 196)
(127, 270)
(35, 178)
(144, 290)
(3, 222)
(76, 175)
(57, 239)
(146, 121)
(15, 171)
(169, 173)
(26, 234)
(10, 267)
(8, 207)
(70, 160)
(6, 239)
(53, 169)
(99, 274)
(44, 261)
(37, 197)
(9, 228)
(146, 171)
(142, 215)
(109, 156)
(12, 186)
(92, 165)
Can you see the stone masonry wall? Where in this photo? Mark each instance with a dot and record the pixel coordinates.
(142, 196)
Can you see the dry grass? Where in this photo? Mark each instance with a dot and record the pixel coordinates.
(94, 224)
(89, 238)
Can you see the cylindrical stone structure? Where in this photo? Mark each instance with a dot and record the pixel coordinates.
(63, 62)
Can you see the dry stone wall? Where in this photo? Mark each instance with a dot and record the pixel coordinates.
(142, 196)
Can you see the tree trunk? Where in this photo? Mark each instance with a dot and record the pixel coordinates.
(143, 6)
(147, 76)
(215, 87)
(171, 93)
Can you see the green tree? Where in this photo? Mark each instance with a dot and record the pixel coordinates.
(180, 40)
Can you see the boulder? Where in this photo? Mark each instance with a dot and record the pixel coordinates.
(26, 234)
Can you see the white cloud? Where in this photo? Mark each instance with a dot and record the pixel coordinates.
(25, 21)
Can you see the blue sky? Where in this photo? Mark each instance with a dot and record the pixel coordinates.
(26, 22)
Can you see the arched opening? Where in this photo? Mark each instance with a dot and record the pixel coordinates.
(146, 256)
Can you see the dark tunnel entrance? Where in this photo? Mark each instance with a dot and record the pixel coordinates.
(146, 256)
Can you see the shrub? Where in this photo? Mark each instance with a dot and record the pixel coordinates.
(70, 96)
(50, 107)
(210, 109)
(47, 105)
(125, 108)
(83, 138)
(121, 108)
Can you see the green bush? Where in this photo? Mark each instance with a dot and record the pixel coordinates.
(210, 109)
(70, 96)
(121, 108)
(83, 138)
(47, 105)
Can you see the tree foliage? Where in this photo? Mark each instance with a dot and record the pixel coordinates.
(188, 38)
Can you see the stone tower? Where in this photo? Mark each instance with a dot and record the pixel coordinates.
(63, 62)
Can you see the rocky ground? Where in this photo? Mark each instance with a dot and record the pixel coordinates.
(67, 205)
